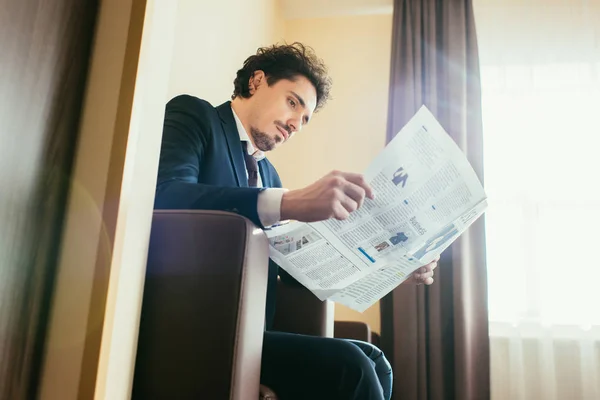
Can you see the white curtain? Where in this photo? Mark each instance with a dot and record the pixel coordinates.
(540, 71)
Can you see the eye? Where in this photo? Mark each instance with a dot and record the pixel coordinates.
(292, 103)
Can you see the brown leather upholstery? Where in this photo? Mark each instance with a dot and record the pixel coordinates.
(300, 311)
(203, 309)
(353, 330)
(376, 339)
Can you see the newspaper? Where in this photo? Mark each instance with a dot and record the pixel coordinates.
(427, 195)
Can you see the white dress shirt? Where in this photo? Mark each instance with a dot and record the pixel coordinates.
(269, 200)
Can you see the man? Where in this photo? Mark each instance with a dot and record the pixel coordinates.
(213, 158)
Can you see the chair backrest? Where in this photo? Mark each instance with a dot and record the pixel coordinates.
(300, 311)
(203, 310)
(353, 330)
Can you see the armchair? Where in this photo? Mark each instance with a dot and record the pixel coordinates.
(203, 310)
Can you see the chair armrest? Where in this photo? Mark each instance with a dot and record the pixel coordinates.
(202, 319)
(353, 330)
(300, 311)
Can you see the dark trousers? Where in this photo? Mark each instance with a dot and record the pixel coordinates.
(309, 367)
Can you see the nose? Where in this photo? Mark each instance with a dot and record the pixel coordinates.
(295, 124)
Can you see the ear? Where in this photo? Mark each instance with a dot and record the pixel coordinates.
(256, 81)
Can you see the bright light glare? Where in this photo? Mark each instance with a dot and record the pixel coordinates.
(542, 167)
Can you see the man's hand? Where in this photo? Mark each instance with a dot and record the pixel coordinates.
(335, 195)
(424, 275)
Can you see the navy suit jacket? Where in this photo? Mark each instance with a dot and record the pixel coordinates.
(202, 167)
(202, 161)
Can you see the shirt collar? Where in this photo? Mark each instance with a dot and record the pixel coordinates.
(257, 154)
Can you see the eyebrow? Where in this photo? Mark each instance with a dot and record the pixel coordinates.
(301, 101)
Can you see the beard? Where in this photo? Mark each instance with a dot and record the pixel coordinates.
(263, 141)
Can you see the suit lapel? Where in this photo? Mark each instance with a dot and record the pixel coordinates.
(234, 144)
(264, 174)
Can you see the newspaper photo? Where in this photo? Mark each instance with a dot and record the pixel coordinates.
(427, 195)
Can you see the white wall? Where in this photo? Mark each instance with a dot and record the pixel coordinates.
(294, 9)
(213, 39)
(350, 131)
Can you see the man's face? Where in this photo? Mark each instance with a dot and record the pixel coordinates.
(280, 110)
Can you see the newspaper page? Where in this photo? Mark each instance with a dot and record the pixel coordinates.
(427, 195)
(365, 292)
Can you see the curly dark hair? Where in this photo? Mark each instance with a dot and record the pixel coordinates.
(286, 61)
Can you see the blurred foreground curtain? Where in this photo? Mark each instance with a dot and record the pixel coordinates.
(541, 105)
(437, 337)
(45, 50)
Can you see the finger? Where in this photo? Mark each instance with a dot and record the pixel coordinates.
(429, 267)
(340, 212)
(359, 180)
(355, 192)
(349, 204)
(422, 279)
(424, 276)
(425, 269)
(414, 279)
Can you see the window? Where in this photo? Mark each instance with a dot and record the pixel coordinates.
(542, 175)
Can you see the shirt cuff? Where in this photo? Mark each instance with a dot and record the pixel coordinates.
(269, 206)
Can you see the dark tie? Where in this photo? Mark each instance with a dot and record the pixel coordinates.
(251, 167)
